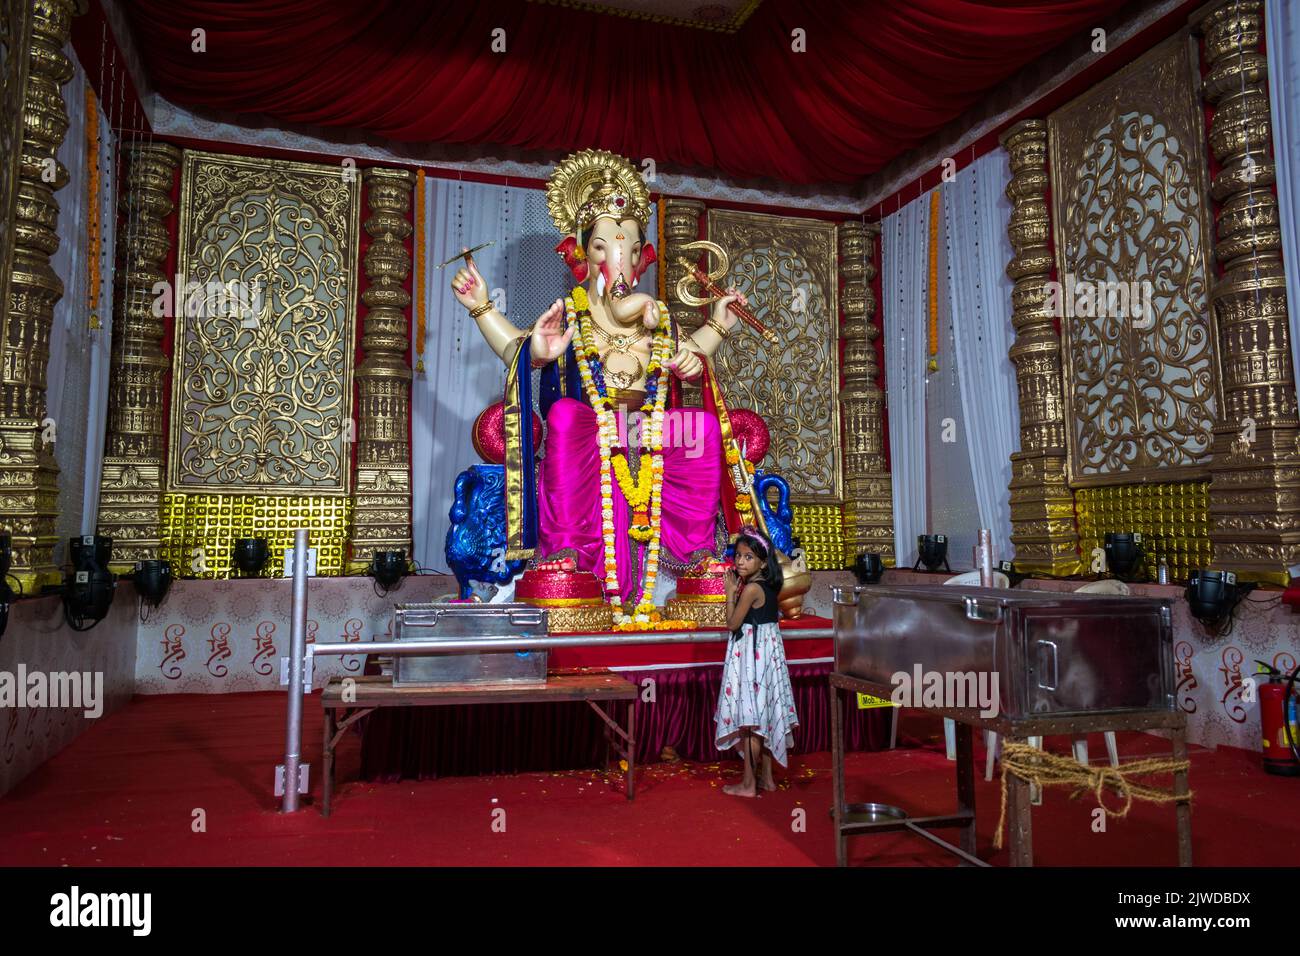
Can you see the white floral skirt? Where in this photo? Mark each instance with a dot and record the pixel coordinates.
(756, 693)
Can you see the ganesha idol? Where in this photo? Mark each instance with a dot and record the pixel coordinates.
(631, 482)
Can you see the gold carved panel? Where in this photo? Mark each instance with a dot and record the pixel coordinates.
(15, 41)
(787, 269)
(262, 375)
(1132, 231)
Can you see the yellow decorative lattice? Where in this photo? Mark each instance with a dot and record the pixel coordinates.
(820, 529)
(1173, 519)
(199, 531)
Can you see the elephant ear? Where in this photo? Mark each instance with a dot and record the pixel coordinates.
(568, 250)
(648, 258)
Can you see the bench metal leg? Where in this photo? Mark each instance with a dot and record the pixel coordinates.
(966, 784)
(327, 763)
(837, 772)
(1183, 808)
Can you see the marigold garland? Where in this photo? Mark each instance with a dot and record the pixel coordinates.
(421, 312)
(645, 494)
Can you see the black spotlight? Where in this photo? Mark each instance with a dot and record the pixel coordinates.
(153, 579)
(1123, 554)
(250, 555)
(388, 567)
(1212, 596)
(933, 550)
(87, 596)
(868, 568)
(90, 552)
(6, 555)
(1014, 577)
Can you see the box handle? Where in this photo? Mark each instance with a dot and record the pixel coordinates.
(525, 618)
(976, 613)
(839, 592)
(1055, 673)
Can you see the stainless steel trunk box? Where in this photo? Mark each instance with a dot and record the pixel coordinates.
(1054, 653)
(443, 622)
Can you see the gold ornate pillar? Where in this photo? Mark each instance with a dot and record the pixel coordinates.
(681, 225)
(1042, 505)
(29, 504)
(382, 515)
(868, 495)
(131, 489)
(1255, 486)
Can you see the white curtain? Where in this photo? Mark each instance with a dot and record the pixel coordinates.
(77, 375)
(904, 248)
(462, 375)
(976, 214)
(1282, 34)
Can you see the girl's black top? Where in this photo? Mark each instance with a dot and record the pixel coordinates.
(768, 613)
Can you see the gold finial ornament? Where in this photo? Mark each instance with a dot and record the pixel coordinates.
(596, 184)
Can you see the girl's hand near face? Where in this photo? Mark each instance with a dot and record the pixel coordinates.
(731, 581)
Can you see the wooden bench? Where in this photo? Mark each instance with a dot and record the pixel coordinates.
(347, 700)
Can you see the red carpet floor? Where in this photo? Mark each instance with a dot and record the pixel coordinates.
(130, 790)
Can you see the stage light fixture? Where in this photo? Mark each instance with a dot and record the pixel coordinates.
(1123, 554)
(1212, 596)
(87, 597)
(90, 552)
(933, 552)
(388, 568)
(250, 555)
(153, 579)
(868, 568)
(1014, 577)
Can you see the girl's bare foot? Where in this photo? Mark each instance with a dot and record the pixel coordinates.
(767, 784)
(740, 790)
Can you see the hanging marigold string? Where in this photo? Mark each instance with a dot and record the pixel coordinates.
(421, 312)
(934, 280)
(94, 236)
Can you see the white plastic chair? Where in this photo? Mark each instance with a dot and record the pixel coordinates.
(969, 579)
(1080, 744)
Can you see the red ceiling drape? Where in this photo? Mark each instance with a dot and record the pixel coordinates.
(878, 75)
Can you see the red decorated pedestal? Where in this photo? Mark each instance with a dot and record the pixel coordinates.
(573, 599)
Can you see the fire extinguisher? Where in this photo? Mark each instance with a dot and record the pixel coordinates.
(1278, 700)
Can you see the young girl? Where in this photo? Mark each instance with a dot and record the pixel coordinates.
(756, 704)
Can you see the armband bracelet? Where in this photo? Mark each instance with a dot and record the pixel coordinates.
(478, 310)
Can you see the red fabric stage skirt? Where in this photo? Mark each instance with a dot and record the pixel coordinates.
(428, 742)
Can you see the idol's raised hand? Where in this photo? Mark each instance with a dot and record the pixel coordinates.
(550, 337)
(470, 288)
(723, 315)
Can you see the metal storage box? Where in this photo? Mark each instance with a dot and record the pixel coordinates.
(442, 622)
(1054, 653)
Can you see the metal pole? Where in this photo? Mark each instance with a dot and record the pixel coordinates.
(463, 644)
(297, 651)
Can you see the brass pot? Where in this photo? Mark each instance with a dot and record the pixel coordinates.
(794, 585)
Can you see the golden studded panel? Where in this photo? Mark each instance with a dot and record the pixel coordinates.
(820, 529)
(264, 346)
(1173, 519)
(199, 531)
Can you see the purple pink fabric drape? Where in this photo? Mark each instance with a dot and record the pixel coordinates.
(568, 494)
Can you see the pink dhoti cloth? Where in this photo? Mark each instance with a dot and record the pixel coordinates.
(568, 491)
